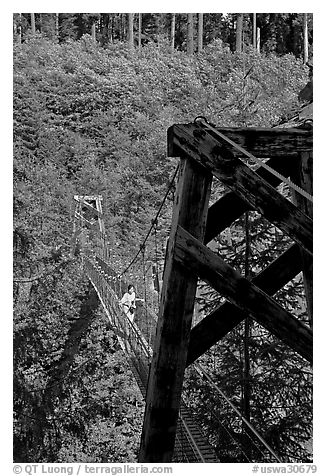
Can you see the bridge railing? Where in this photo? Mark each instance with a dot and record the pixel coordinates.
(133, 338)
(137, 340)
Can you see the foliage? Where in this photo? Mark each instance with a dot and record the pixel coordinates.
(93, 120)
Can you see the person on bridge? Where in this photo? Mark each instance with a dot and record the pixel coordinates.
(128, 302)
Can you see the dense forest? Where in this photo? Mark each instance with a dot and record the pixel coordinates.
(93, 97)
(280, 33)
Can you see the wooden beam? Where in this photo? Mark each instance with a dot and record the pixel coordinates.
(230, 207)
(174, 320)
(303, 176)
(79, 215)
(207, 150)
(88, 197)
(226, 317)
(203, 262)
(270, 142)
(90, 207)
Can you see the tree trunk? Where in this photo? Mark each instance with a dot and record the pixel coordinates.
(33, 23)
(57, 26)
(131, 30)
(254, 30)
(16, 28)
(94, 32)
(158, 23)
(20, 29)
(190, 34)
(258, 40)
(239, 28)
(121, 27)
(139, 30)
(305, 38)
(200, 31)
(172, 31)
(112, 28)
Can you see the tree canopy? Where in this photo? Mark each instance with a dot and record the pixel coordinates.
(280, 33)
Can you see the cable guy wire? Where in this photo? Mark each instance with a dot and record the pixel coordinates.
(153, 222)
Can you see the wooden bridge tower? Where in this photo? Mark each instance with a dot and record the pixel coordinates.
(89, 216)
(205, 151)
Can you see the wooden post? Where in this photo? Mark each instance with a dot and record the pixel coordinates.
(174, 321)
(303, 178)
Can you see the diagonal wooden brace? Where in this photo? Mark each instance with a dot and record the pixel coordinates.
(227, 316)
(206, 149)
(203, 262)
(230, 206)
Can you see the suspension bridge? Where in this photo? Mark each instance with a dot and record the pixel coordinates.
(160, 348)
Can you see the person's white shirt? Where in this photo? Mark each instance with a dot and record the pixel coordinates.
(128, 304)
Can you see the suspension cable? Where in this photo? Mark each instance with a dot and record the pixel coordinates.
(153, 221)
(214, 415)
(191, 438)
(145, 294)
(203, 372)
(156, 277)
